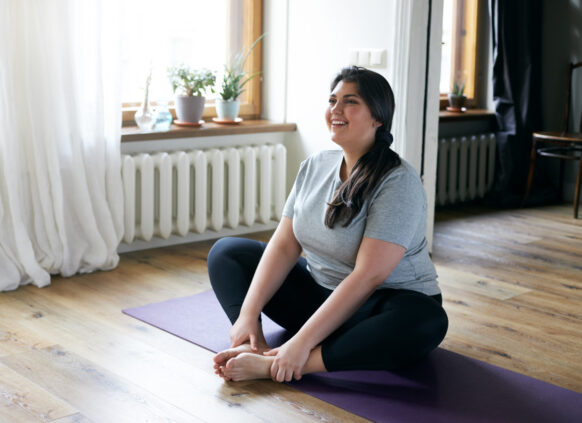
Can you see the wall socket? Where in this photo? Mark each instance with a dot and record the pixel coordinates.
(368, 57)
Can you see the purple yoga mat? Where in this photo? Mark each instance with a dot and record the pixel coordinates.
(445, 387)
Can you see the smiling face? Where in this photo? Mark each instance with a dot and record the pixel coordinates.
(349, 119)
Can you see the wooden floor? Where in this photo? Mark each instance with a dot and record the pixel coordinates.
(511, 280)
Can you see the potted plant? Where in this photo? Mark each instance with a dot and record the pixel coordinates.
(189, 86)
(233, 82)
(457, 98)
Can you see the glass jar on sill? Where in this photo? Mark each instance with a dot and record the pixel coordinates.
(163, 117)
(144, 117)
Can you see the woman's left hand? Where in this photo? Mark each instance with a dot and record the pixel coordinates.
(290, 358)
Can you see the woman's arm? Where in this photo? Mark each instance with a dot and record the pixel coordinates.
(375, 261)
(281, 254)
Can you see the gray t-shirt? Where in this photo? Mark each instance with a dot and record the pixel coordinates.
(394, 212)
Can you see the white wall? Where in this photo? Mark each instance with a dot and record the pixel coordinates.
(321, 35)
(308, 42)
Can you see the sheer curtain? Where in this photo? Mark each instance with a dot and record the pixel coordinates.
(60, 184)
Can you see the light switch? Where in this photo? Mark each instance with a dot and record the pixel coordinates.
(363, 57)
(377, 58)
(353, 58)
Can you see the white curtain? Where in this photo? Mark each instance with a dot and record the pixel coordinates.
(60, 185)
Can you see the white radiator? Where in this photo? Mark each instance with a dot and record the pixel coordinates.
(195, 191)
(465, 168)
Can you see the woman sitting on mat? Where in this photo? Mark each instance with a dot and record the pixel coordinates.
(366, 295)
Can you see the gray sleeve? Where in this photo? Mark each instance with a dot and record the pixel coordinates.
(397, 212)
(290, 203)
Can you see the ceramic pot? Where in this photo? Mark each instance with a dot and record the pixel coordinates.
(189, 108)
(227, 109)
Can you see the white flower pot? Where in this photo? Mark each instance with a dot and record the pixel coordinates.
(227, 109)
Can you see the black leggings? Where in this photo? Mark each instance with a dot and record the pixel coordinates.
(392, 329)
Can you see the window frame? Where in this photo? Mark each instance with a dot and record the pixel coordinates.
(469, 16)
(250, 105)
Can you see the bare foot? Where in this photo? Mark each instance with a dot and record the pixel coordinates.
(222, 357)
(248, 366)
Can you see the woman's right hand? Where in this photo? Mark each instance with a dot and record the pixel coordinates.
(245, 329)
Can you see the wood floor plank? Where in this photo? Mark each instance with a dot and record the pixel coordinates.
(481, 285)
(12, 341)
(535, 332)
(94, 391)
(551, 306)
(505, 251)
(529, 271)
(73, 418)
(23, 401)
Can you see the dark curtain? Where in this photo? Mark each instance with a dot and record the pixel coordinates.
(516, 35)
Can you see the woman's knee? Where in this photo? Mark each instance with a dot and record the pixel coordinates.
(228, 248)
(424, 326)
(231, 254)
(442, 323)
(424, 321)
(219, 251)
(436, 319)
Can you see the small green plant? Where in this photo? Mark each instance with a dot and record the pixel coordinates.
(191, 82)
(458, 88)
(459, 84)
(235, 77)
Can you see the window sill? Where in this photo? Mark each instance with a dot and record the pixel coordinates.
(469, 114)
(208, 129)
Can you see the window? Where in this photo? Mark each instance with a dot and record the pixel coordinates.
(199, 33)
(461, 48)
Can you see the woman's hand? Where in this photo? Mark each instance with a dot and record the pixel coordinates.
(290, 358)
(245, 329)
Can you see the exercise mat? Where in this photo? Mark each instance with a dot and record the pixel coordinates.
(444, 387)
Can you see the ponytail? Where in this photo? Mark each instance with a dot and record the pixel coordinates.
(368, 171)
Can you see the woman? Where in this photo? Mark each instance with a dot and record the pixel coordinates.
(365, 296)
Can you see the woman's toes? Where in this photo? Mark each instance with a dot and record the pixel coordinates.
(248, 366)
(223, 356)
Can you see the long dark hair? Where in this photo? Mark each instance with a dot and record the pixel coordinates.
(372, 166)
